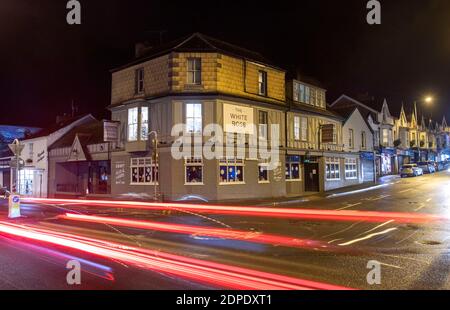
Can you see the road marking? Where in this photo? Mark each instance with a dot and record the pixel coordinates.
(375, 228)
(403, 240)
(349, 206)
(406, 190)
(393, 266)
(420, 208)
(378, 198)
(368, 237)
(343, 230)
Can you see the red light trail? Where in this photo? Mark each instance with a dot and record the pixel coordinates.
(202, 231)
(215, 274)
(303, 214)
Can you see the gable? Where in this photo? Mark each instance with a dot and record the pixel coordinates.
(77, 152)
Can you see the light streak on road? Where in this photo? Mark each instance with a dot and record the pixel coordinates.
(247, 236)
(303, 214)
(215, 274)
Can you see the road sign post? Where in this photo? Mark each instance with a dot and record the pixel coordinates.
(14, 199)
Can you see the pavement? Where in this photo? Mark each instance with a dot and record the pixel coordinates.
(411, 255)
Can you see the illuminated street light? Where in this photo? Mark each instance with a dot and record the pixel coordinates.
(429, 99)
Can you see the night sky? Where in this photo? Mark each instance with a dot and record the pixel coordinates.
(46, 63)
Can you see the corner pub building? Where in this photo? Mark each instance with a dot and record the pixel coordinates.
(196, 81)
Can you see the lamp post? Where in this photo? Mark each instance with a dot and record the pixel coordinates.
(155, 158)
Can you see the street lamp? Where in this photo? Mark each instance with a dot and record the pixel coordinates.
(155, 167)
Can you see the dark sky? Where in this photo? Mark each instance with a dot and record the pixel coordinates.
(46, 63)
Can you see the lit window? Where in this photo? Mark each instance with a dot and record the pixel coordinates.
(139, 84)
(351, 169)
(194, 171)
(194, 118)
(262, 83)
(293, 172)
(304, 129)
(332, 169)
(231, 170)
(143, 171)
(297, 128)
(133, 124)
(144, 123)
(385, 137)
(263, 124)
(194, 71)
(307, 95)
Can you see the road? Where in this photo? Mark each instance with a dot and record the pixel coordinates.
(412, 255)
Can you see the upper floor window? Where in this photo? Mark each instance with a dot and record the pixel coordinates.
(363, 140)
(262, 83)
(263, 124)
(351, 142)
(194, 118)
(139, 81)
(385, 137)
(297, 128)
(144, 123)
(194, 71)
(133, 124)
(304, 128)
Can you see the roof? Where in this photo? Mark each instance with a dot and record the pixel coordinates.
(57, 126)
(313, 110)
(199, 42)
(345, 102)
(346, 113)
(88, 133)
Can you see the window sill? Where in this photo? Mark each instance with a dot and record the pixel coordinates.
(295, 180)
(232, 183)
(331, 180)
(263, 182)
(194, 184)
(143, 184)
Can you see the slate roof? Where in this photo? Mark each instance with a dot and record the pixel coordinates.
(88, 133)
(199, 42)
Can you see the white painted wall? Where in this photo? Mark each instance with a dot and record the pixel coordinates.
(357, 123)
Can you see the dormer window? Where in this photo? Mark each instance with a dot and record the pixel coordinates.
(262, 83)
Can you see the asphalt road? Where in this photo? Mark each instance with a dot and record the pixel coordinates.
(412, 256)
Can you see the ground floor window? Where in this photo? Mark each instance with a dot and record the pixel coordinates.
(143, 171)
(293, 168)
(333, 167)
(26, 178)
(193, 171)
(263, 172)
(231, 171)
(351, 169)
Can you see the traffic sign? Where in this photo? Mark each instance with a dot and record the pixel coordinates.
(14, 206)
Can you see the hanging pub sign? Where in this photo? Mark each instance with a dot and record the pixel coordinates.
(238, 119)
(328, 133)
(110, 131)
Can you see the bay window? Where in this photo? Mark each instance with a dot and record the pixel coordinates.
(133, 124)
(144, 123)
(194, 118)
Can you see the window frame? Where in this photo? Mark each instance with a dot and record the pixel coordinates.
(351, 174)
(232, 162)
(195, 71)
(194, 162)
(147, 162)
(363, 140)
(290, 163)
(351, 138)
(133, 124)
(261, 164)
(262, 83)
(297, 128)
(261, 127)
(139, 86)
(330, 174)
(194, 117)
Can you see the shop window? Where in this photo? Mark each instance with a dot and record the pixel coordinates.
(332, 167)
(143, 171)
(231, 171)
(351, 169)
(26, 178)
(193, 171)
(293, 168)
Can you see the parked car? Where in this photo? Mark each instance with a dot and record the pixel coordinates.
(427, 167)
(410, 170)
(4, 193)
